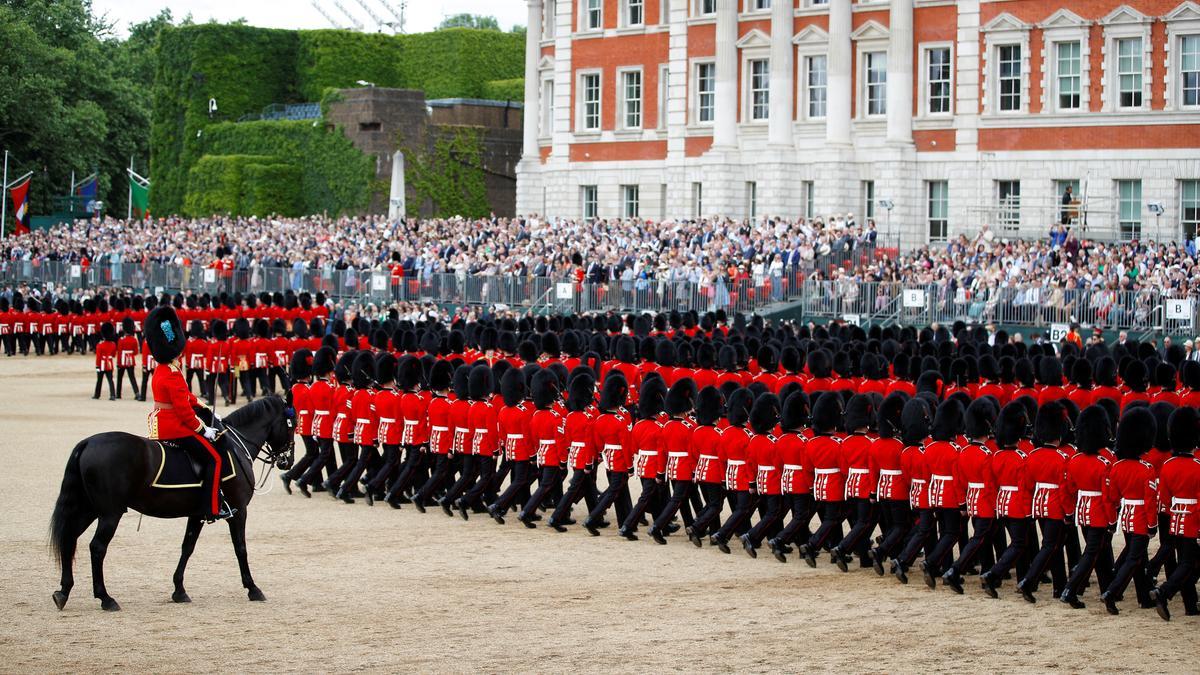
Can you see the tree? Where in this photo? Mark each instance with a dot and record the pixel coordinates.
(477, 21)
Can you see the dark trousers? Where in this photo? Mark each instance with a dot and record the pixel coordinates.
(366, 454)
(10, 344)
(980, 542)
(921, 536)
(1132, 566)
(408, 472)
(275, 374)
(196, 374)
(212, 382)
(23, 343)
(617, 493)
(325, 456)
(863, 513)
(441, 473)
(831, 525)
(522, 478)
(651, 496)
(681, 491)
(481, 492)
(349, 456)
(1165, 556)
(1014, 554)
(551, 476)
(708, 521)
(145, 383)
(1050, 555)
(1097, 555)
(311, 452)
(470, 471)
(582, 482)
(1183, 578)
(949, 523)
(122, 373)
(738, 521)
(388, 467)
(102, 375)
(897, 522)
(39, 344)
(802, 508)
(772, 513)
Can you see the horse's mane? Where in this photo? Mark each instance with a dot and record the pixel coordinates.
(265, 407)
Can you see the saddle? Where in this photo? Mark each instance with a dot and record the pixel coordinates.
(178, 468)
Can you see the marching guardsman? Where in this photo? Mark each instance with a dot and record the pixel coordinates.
(891, 487)
(6, 328)
(1013, 501)
(582, 456)
(650, 465)
(1083, 500)
(147, 361)
(917, 420)
(795, 477)
(485, 441)
(343, 421)
(106, 354)
(1046, 471)
(464, 412)
(763, 454)
(731, 458)
(277, 357)
(414, 430)
(612, 438)
(697, 464)
(1179, 493)
(829, 485)
(365, 421)
(947, 494)
(217, 366)
(194, 354)
(1131, 492)
(979, 496)
(301, 372)
(512, 430)
(676, 441)
(440, 436)
(173, 417)
(545, 434)
(127, 349)
(859, 419)
(62, 324)
(391, 421)
(241, 353)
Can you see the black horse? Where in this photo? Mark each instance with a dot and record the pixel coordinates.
(111, 472)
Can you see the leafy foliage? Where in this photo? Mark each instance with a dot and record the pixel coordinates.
(339, 59)
(273, 189)
(215, 184)
(477, 21)
(450, 177)
(505, 90)
(457, 62)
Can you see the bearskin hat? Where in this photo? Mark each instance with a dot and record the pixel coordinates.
(1012, 425)
(580, 392)
(323, 361)
(1165, 376)
(651, 398)
(1093, 430)
(385, 368)
(1136, 433)
(1162, 415)
(362, 372)
(127, 327)
(1189, 374)
(764, 414)
(795, 412)
(301, 366)
(727, 358)
(709, 404)
(107, 332)
(737, 407)
(827, 414)
(1182, 429)
(1135, 376)
(947, 421)
(820, 364)
(915, 420)
(441, 376)
(1023, 371)
(727, 388)
(164, 332)
(461, 383)
(930, 381)
(1106, 372)
(615, 391)
(680, 396)
(888, 422)
(860, 413)
(664, 353)
(980, 418)
(1050, 371)
(512, 387)
(1051, 424)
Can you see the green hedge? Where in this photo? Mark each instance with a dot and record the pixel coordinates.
(216, 184)
(457, 62)
(451, 177)
(505, 90)
(339, 59)
(336, 177)
(273, 189)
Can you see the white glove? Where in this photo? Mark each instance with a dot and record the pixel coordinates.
(210, 433)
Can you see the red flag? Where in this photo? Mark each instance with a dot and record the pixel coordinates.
(20, 197)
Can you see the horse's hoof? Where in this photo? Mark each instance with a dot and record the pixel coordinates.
(110, 605)
(180, 596)
(257, 596)
(60, 599)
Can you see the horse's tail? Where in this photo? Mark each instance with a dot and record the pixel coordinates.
(73, 505)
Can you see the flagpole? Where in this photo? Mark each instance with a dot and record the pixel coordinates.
(129, 216)
(4, 196)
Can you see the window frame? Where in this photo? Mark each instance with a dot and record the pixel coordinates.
(867, 190)
(582, 104)
(626, 191)
(1183, 207)
(1125, 23)
(627, 7)
(867, 56)
(752, 199)
(1182, 83)
(546, 101)
(806, 91)
(697, 199)
(930, 216)
(927, 80)
(749, 104)
(808, 195)
(623, 99)
(585, 202)
(1183, 22)
(1022, 102)
(585, 13)
(698, 9)
(664, 96)
(1120, 73)
(1137, 224)
(696, 95)
(1057, 76)
(1004, 222)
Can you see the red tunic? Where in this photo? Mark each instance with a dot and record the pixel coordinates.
(512, 427)
(1012, 492)
(1045, 473)
(460, 426)
(303, 407)
(438, 414)
(912, 463)
(856, 463)
(577, 435)
(707, 441)
(387, 407)
(825, 456)
(414, 418)
(796, 475)
(343, 414)
(194, 353)
(366, 419)
(1133, 396)
(1132, 495)
(545, 430)
(946, 488)
(1083, 491)
(975, 475)
(682, 453)
(1178, 492)
(1051, 393)
(106, 354)
(482, 421)
(733, 456)
(763, 454)
(1156, 458)
(891, 483)
(127, 349)
(320, 397)
(612, 438)
(651, 459)
(172, 416)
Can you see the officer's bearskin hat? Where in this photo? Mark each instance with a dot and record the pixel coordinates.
(512, 387)
(737, 407)
(301, 366)
(860, 413)
(709, 404)
(164, 331)
(1162, 415)
(819, 363)
(615, 391)
(580, 392)
(764, 414)
(1051, 424)
(480, 382)
(1182, 429)
(544, 388)
(440, 376)
(947, 421)
(362, 374)
(888, 422)
(1093, 430)
(795, 412)
(980, 418)
(1135, 433)
(915, 420)
(827, 414)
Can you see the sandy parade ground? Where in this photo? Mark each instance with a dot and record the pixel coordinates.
(361, 588)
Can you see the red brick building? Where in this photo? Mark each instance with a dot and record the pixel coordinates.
(954, 113)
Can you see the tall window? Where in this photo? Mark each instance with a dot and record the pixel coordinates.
(809, 192)
(1189, 207)
(938, 210)
(868, 197)
(547, 102)
(939, 80)
(1129, 206)
(758, 5)
(629, 201)
(635, 12)
(760, 89)
(706, 92)
(591, 202)
(706, 7)
(631, 99)
(876, 68)
(1009, 76)
(1189, 70)
(1069, 72)
(817, 81)
(593, 15)
(752, 199)
(589, 85)
(1129, 72)
(697, 200)
(1008, 196)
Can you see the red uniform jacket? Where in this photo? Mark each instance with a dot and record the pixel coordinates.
(825, 456)
(106, 354)
(512, 427)
(172, 416)
(1051, 393)
(856, 463)
(343, 413)
(1178, 492)
(1082, 397)
(581, 446)
(733, 456)
(366, 419)
(796, 475)
(387, 408)
(993, 389)
(682, 453)
(1133, 396)
(438, 414)
(482, 421)
(707, 441)
(545, 431)
(946, 488)
(127, 349)
(651, 459)
(217, 358)
(1012, 492)
(763, 454)
(1156, 458)
(412, 418)
(1131, 492)
(303, 407)
(891, 484)
(975, 475)
(912, 463)
(1083, 491)
(320, 397)
(611, 435)
(460, 426)
(194, 353)
(1045, 473)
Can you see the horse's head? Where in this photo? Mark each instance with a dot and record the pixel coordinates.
(273, 420)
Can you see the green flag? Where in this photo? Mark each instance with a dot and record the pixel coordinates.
(141, 199)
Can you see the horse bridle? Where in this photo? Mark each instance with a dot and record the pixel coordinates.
(273, 457)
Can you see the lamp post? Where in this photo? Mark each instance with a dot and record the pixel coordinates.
(887, 205)
(1157, 209)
